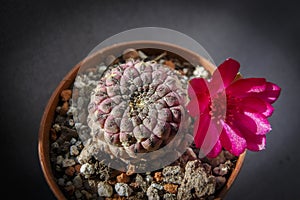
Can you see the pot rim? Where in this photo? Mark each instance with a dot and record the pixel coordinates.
(48, 114)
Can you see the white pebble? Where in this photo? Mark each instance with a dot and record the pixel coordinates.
(73, 150)
(73, 140)
(123, 189)
(87, 169)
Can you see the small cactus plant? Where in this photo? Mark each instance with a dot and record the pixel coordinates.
(137, 107)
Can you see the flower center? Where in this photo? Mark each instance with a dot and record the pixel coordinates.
(139, 101)
(218, 107)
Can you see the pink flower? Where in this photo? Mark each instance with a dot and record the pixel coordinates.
(231, 112)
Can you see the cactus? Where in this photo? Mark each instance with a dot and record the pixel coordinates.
(137, 106)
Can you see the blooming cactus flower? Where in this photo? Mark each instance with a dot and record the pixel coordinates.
(231, 112)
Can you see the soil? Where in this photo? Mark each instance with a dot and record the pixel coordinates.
(189, 177)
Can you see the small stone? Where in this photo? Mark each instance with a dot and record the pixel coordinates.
(91, 184)
(130, 170)
(220, 182)
(59, 159)
(69, 189)
(54, 146)
(73, 140)
(104, 189)
(169, 196)
(123, 178)
(149, 179)
(78, 194)
(66, 95)
(196, 182)
(158, 176)
(64, 109)
(171, 188)
(140, 183)
(152, 193)
(170, 64)
(68, 162)
(70, 171)
(53, 134)
(220, 159)
(137, 196)
(61, 181)
(73, 150)
(77, 181)
(123, 189)
(77, 168)
(173, 174)
(228, 155)
(221, 170)
(112, 182)
(157, 186)
(130, 53)
(71, 122)
(56, 127)
(86, 194)
(69, 183)
(57, 109)
(87, 169)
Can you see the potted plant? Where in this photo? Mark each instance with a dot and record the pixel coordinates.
(91, 148)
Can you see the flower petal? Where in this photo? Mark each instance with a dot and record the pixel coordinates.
(232, 140)
(228, 70)
(247, 87)
(216, 150)
(223, 76)
(200, 129)
(256, 143)
(271, 93)
(256, 105)
(193, 107)
(262, 124)
(197, 86)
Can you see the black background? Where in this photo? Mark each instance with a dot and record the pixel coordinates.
(40, 41)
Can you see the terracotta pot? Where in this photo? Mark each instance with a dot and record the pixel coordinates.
(49, 112)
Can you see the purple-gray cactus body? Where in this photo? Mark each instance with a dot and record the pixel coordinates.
(138, 107)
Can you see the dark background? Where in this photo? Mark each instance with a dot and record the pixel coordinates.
(40, 41)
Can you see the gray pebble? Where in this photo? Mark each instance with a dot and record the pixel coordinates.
(61, 181)
(69, 183)
(172, 174)
(59, 159)
(104, 189)
(152, 193)
(68, 162)
(54, 145)
(157, 186)
(73, 141)
(77, 181)
(78, 194)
